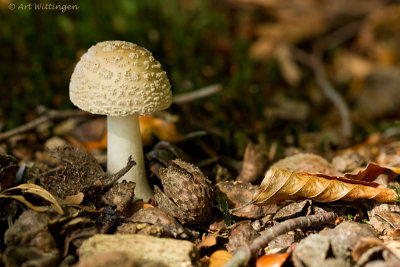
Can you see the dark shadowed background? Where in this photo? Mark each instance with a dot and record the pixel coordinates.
(258, 51)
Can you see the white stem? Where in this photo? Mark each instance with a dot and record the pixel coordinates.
(124, 140)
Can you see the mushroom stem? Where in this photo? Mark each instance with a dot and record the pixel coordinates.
(124, 140)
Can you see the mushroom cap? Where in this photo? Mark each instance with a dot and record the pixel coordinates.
(119, 78)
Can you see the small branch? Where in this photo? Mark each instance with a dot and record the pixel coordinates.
(193, 135)
(116, 176)
(54, 115)
(51, 115)
(326, 87)
(337, 37)
(197, 94)
(245, 253)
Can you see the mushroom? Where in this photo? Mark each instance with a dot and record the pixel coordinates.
(121, 80)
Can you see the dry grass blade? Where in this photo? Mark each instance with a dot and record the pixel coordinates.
(36, 190)
(280, 184)
(25, 202)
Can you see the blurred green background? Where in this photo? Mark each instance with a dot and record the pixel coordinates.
(202, 42)
(39, 48)
(197, 43)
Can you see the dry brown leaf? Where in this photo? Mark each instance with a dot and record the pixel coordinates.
(305, 162)
(363, 245)
(237, 195)
(366, 243)
(163, 130)
(209, 241)
(280, 184)
(219, 258)
(272, 260)
(75, 199)
(35, 190)
(96, 145)
(149, 127)
(371, 172)
(254, 163)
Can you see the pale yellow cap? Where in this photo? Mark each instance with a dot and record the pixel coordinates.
(119, 78)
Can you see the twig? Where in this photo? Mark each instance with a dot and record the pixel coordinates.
(116, 176)
(245, 253)
(51, 115)
(316, 65)
(198, 94)
(193, 135)
(336, 37)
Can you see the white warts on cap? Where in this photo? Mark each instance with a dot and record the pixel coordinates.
(119, 78)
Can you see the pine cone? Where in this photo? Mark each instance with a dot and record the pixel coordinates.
(188, 194)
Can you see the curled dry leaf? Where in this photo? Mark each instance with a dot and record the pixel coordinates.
(219, 258)
(237, 195)
(272, 260)
(35, 190)
(371, 172)
(366, 244)
(280, 184)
